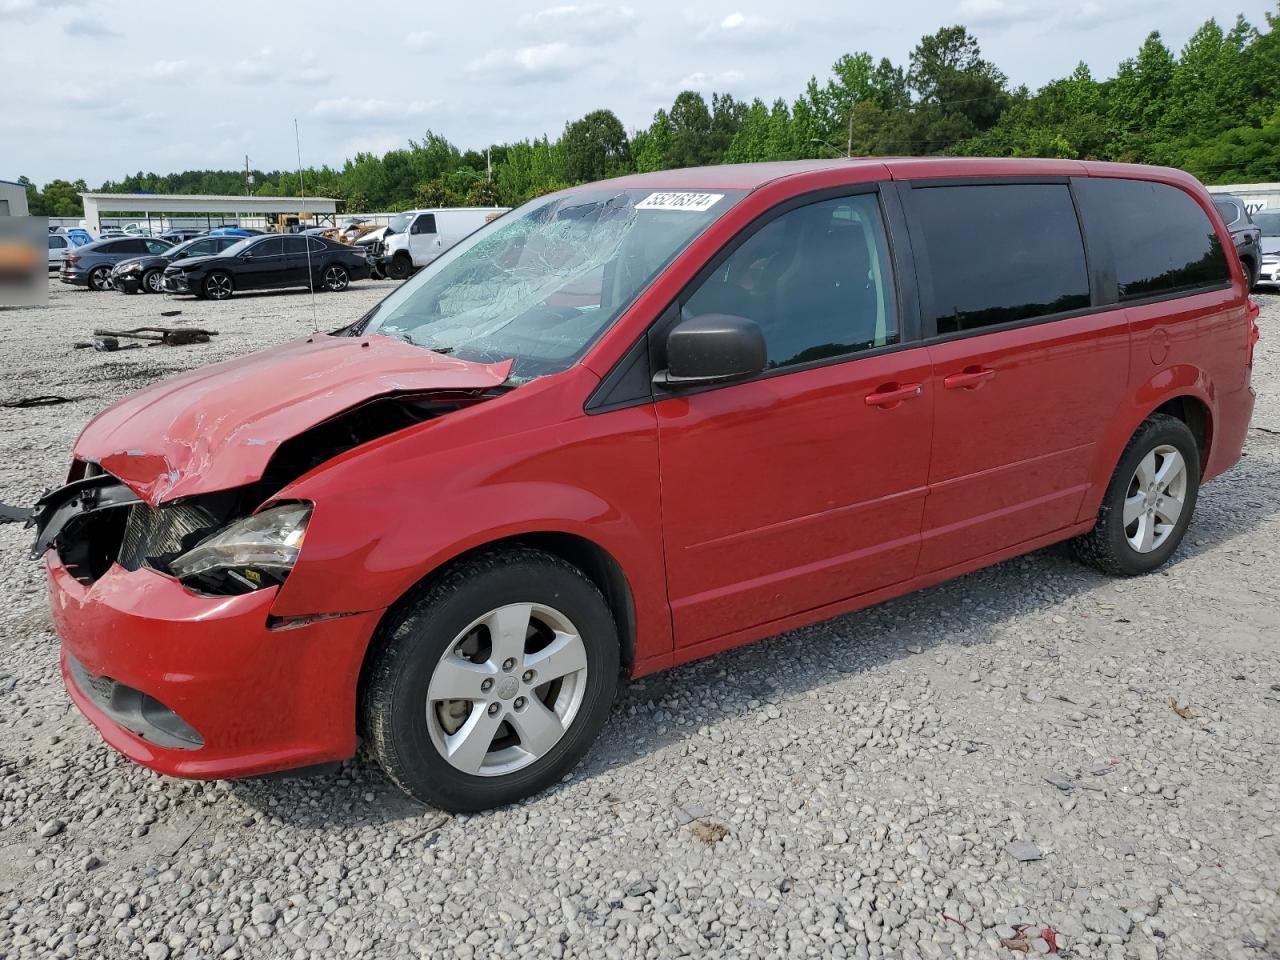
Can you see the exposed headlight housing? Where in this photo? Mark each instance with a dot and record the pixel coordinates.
(129, 268)
(249, 554)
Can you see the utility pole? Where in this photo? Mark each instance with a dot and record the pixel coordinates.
(848, 150)
(488, 163)
(248, 177)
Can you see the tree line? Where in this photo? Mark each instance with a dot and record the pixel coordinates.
(1212, 109)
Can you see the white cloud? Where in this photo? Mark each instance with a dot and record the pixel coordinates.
(419, 39)
(703, 81)
(84, 27)
(745, 28)
(593, 22)
(266, 66)
(376, 144)
(996, 13)
(29, 9)
(547, 61)
(364, 110)
(167, 68)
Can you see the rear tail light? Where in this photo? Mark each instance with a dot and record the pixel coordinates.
(71, 258)
(1255, 334)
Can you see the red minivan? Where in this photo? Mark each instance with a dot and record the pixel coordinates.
(631, 424)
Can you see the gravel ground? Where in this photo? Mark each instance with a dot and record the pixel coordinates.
(1034, 752)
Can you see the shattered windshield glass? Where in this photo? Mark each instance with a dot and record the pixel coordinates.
(540, 284)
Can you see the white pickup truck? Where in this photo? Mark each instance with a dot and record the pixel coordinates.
(416, 237)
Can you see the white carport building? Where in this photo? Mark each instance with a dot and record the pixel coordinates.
(215, 210)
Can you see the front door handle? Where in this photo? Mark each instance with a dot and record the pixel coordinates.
(892, 394)
(970, 378)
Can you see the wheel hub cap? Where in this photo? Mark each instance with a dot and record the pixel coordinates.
(1155, 499)
(507, 689)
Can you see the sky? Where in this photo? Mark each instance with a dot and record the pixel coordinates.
(97, 90)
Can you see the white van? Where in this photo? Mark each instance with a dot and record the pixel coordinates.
(416, 237)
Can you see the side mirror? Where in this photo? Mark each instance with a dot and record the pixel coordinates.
(713, 348)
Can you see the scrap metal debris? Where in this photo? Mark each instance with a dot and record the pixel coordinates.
(44, 400)
(12, 514)
(168, 336)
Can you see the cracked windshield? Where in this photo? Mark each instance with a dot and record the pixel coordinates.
(539, 285)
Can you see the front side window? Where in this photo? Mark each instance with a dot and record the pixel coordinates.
(1162, 240)
(426, 223)
(270, 247)
(540, 284)
(998, 253)
(815, 279)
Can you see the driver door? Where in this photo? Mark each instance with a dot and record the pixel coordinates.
(424, 242)
(261, 265)
(804, 486)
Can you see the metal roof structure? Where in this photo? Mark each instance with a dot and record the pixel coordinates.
(145, 204)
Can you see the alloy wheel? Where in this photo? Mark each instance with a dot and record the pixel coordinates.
(218, 287)
(1155, 498)
(507, 689)
(155, 282)
(335, 278)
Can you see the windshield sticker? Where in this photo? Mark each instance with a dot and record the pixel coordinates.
(697, 202)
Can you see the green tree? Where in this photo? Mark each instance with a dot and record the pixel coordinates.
(595, 147)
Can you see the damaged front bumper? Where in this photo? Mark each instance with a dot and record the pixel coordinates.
(190, 684)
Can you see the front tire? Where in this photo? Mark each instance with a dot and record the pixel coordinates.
(399, 267)
(217, 286)
(153, 281)
(492, 683)
(1149, 502)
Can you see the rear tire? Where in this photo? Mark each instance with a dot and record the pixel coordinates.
(399, 267)
(1149, 502)
(100, 279)
(528, 643)
(335, 278)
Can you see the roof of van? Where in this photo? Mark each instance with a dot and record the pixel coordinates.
(749, 176)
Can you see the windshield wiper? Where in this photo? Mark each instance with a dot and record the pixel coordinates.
(409, 338)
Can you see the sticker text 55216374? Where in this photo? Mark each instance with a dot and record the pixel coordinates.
(680, 200)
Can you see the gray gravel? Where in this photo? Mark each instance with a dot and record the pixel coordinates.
(990, 759)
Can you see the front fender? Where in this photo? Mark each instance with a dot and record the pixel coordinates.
(386, 518)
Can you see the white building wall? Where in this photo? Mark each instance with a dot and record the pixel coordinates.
(1256, 196)
(13, 199)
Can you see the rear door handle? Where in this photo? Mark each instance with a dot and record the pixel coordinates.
(970, 378)
(892, 394)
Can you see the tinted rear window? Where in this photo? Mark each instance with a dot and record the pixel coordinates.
(1161, 239)
(1229, 211)
(999, 253)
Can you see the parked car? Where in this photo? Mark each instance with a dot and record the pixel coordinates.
(78, 236)
(107, 233)
(1244, 233)
(1268, 221)
(234, 232)
(259, 263)
(370, 242)
(179, 234)
(59, 244)
(146, 274)
(90, 265)
(458, 522)
(416, 237)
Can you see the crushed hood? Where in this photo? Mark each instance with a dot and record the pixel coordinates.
(217, 427)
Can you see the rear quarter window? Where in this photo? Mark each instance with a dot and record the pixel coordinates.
(1161, 239)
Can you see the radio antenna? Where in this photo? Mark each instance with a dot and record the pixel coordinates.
(302, 190)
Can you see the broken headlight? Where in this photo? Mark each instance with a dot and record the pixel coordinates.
(249, 554)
